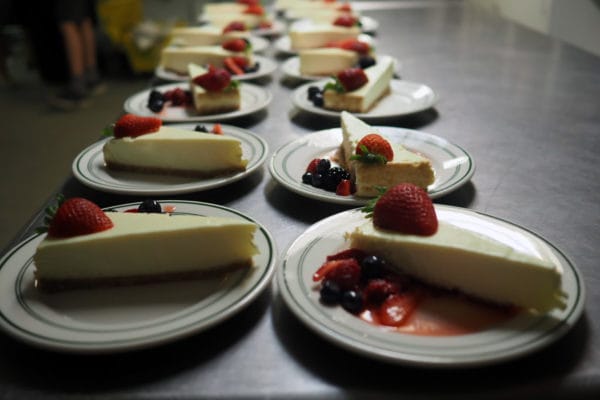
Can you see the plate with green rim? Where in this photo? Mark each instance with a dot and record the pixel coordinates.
(119, 319)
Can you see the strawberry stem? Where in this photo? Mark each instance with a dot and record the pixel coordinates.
(369, 157)
(50, 212)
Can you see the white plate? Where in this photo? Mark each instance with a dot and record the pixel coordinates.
(291, 67)
(368, 24)
(453, 166)
(284, 44)
(126, 318)
(405, 98)
(516, 337)
(267, 66)
(89, 168)
(253, 98)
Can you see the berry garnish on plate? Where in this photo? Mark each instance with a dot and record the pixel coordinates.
(321, 174)
(76, 216)
(355, 45)
(133, 125)
(346, 20)
(214, 80)
(235, 26)
(406, 208)
(237, 45)
(373, 149)
(150, 206)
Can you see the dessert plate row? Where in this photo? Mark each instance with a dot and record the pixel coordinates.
(266, 68)
(127, 318)
(89, 168)
(453, 165)
(521, 334)
(253, 98)
(291, 68)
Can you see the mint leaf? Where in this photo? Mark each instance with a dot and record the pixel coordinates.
(368, 157)
(335, 85)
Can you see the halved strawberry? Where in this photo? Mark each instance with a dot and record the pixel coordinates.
(397, 308)
(255, 9)
(344, 272)
(345, 20)
(233, 66)
(352, 78)
(214, 80)
(134, 125)
(373, 148)
(406, 208)
(237, 45)
(78, 216)
(312, 165)
(344, 188)
(235, 26)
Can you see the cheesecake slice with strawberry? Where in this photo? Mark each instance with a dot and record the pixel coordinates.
(86, 247)
(413, 237)
(213, 90)
(375, 162)
(143, 145)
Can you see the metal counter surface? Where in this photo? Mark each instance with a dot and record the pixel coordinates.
(526, 106)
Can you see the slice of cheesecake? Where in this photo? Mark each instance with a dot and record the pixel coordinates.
(203, 35)
(174, 151)
(326, 61)
(177, 59)
(319, 35)
(364, 98)
(142, 248)
(471, 260)
(406, 166)
(207, 102)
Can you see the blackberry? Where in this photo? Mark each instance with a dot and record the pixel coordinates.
(366, 62)
(323, 166)
(333, 177)
(201, 128)
(150, 206)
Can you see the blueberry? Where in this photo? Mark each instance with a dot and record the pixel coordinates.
(330, 292)
(317, 180)
(318, 100)
(323, 166)
(313, 91)
(155, 94)
(150, 206)
(201, 128)
(352, 301)
(366, 62)
(307, 178)
(156, 105)
(372, 267)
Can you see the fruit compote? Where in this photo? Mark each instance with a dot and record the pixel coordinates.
(367, 287)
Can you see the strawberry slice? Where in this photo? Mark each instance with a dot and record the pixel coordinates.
(406, 208)
(373, 148)
(397, 308)
(344, 272)
(352, 78)
(214, 80)
(233, 66)
(134, 125)
(237, 45)
(235, 26)
(217, 129)
(312, 165)
(78, 216)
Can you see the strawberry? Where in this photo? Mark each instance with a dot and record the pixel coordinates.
(406, 208)
(344, 188)
(397, 308)
(345, 7)
(236, 45)
(235, 26)
(133, 125)
(232, 66)
(373, 148)
(352, 78)
(355, 45)
(217, 129)
(78, 216)
(215, 80)
(378, 290)
(344, 272)
(348, 253)
(312, 165)
(345, 20)
(255, 9)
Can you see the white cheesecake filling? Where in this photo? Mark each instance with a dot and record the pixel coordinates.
(326, 61)
(319, 35)
(147, 244)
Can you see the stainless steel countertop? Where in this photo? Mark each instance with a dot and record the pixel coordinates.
(527, 107)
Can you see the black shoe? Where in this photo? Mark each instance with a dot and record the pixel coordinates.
(69, 100)
(96, 88)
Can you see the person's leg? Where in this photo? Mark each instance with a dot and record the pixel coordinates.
(75, 52)
(91, 73)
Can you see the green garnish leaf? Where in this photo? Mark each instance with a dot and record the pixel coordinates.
(50, 212)
(335, 85)
(368, 157)
(370, 206)
(108, 130)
